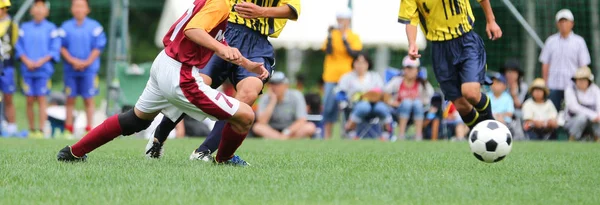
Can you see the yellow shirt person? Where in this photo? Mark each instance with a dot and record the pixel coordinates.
(341, 46)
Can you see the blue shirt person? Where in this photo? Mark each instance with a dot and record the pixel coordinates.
(502, 103)
(38, 48)
(83, 40)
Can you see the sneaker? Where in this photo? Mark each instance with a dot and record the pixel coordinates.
(154, 149)
(36, 135)
(202, 156)
(66, 155)
(234, 161)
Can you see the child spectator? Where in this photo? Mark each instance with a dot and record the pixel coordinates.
(38, 48)
(502, 103)
(83, 40)
(410, 94)
(539, 113)
(582, 104)
(9, 33)
(514, 81)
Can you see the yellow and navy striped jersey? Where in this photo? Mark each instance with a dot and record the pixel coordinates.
(271, 27)
(440, 20)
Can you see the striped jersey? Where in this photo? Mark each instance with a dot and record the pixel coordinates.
(271, 27)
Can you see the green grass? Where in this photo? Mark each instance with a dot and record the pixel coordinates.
(302, 172)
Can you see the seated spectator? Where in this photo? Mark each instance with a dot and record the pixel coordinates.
(454, 121)
(582, 105)
(539, 113)
(362, 89)
(282, 113)
(518, 91)
(502, 103)
(410, 94)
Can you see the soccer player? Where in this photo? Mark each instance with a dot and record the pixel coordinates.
(176, 86)
(459, 59)
(38, 46)
(250, 24)
(83, 40)
(9, 33)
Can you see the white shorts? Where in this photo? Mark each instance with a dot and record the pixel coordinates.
(174, 89)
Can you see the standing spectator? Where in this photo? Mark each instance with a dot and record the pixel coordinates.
(562, 54)
(362, 89)
(539, 113)
(502, 103)
(410, 95)
(282, 113)
(582, 104)
(341, 46)
(38, 48)
(83, 40)
(9, 33)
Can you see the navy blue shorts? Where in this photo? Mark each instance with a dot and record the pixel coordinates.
(253, 45)
(458, 61)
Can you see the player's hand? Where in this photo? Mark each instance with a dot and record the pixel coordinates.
(413, 51)
(258, 68)
(229, 54)
(493, 30)
(249, 10)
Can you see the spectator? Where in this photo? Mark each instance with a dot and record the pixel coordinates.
(539, 113)
(362, 89)
(514, 81)
(282, 113)
(9, 32)
(341, 46)
(454, 121)
(410, 96)
(38, 48)
(83, 40)
(582, 104)
(562, 54)
(502, 103)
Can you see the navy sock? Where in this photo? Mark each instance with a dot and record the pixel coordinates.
(471, 118)
(211, 143)
(165, 127)
(484, 108)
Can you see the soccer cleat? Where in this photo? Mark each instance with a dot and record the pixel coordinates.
(154, 149)
(202, 156)
(234, 161)
(66, 155)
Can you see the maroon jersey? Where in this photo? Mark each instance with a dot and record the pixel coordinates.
(209, 15)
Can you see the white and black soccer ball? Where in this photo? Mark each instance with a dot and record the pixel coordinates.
(490, 141)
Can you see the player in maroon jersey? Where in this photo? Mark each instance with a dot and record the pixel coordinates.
(176, 86)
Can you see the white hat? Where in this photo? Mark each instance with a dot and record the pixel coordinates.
(345, 13)
(564, 14)
(407, 62)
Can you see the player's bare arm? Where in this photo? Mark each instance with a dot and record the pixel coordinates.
(493, 30)
(251, 11)
(201, 37)
(413, 48)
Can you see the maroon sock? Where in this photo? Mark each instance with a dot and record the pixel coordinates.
(230, 141)
(98, 136)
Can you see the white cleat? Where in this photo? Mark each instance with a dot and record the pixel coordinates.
(202, 156)
(154, 149)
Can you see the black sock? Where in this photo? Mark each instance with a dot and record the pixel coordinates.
(165, 127)
(484, 108)
(212, 141)
(471, 118)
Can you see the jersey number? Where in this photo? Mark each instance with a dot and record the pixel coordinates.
(185, 19)
(221, 95)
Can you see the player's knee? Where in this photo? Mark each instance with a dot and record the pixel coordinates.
(472, 93)
(131, 123)
(243, 118)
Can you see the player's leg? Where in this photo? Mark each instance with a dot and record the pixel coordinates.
(8, 89)
(28, 90)
(446, 56)
(72, 92)
(88, 85)
(472, 75)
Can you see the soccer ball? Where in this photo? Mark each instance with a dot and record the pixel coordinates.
(490, 141)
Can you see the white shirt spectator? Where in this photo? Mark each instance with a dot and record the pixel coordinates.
(539, 111)
(352, 84)
(564, 55)
(578, 102)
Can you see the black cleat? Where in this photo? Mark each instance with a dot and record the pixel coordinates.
(66, 155)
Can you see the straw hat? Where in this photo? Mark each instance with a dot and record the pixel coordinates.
(541, 84)
(583, 73)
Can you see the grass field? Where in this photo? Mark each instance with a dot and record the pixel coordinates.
(302, 172)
